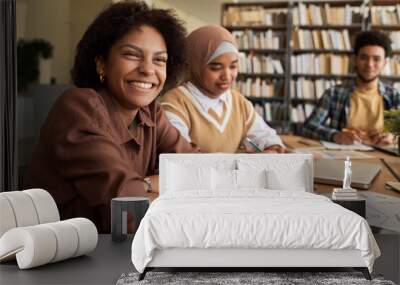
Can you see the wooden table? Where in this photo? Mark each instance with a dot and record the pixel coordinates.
(378, 185)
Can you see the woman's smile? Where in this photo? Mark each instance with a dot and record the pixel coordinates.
(141, 84)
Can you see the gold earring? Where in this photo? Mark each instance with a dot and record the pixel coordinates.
(102, 78)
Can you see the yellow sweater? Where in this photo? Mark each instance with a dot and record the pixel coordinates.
(205, 129)
(366, 110)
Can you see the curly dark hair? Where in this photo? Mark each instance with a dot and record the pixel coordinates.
(373, 38)
(112, 24)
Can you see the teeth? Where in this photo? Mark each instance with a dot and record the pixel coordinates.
(143, 85)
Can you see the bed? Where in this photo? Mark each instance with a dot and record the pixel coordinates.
(246, 211)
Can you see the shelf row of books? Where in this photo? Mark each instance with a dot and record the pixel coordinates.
(256, 64)
(254, 15)
(320, 64)
(301, 112)
(395, 38)
(269, 39)
(310, 14)
(392, 67)
(385, 15)
(310, 89)
(301, 88)
(325, 14)
(274, 111)
(321, 39)
(258, 87)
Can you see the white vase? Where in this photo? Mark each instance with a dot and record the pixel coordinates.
(44, 70)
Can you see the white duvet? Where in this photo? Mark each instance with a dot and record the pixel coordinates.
(253, 218)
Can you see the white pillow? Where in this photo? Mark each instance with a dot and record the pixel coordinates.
(291, 180)
(188, 177)
(224, 179)
(251, 179)
(282, 171)
(228, 179)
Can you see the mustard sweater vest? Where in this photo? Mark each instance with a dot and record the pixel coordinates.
(205, 129)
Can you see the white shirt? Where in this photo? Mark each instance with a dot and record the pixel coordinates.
(260, 133)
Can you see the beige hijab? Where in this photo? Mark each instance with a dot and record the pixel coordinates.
(201, 44)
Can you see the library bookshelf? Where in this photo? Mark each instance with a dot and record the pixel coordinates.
(291, 51)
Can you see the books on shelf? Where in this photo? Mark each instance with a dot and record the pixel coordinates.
(395, 38)
(301, 112)
(273, 111)
(311, 63)
(325, 14)
(256, 87)
(310, 89)
(321, 39)
(385, 15)
(392, 67)
(269, 39)
(318, 55)
(253, 15)
(257, 64)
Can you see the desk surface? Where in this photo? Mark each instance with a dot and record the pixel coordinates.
(102, 266)
(378, 184)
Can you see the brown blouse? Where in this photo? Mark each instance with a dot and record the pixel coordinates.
(86, 155)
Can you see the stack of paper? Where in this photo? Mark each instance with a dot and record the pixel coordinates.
(354, 146)
(344, 194)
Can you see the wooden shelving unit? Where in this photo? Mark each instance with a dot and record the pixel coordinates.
(327, 29)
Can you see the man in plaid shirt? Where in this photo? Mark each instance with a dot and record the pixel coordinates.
(354, 111)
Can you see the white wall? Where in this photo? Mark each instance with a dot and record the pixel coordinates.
(194, 13)
(62, 23)
(49, 20)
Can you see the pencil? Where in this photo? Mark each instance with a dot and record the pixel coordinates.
(305, 143)
(254, 145)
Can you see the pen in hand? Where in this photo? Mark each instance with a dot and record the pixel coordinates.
(254, 145)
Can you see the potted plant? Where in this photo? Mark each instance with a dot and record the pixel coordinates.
(29, 53)
(392, 125)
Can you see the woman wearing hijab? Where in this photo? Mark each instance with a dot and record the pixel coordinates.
(206, 110)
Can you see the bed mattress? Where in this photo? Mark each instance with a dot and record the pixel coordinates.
(250, 219)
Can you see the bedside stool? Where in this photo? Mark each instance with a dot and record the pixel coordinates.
(120, 207)
(356, 205)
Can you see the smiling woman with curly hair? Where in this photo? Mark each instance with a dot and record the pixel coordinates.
(102, 139)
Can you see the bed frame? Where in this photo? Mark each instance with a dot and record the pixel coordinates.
(242, 259)
(246, 258)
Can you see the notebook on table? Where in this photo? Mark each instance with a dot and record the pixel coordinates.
(330, 171)
(391, 149)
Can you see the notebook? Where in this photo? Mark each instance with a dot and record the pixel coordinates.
(329, 171)
(388, 148)
(355, 146)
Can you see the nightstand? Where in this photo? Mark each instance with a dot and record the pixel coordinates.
(356, 205)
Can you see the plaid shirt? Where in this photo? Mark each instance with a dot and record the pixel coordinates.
(332, 110)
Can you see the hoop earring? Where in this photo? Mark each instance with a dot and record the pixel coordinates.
(102, 78)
